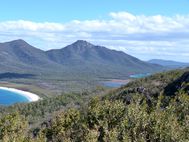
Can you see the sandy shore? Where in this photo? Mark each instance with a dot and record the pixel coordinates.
(120, 81)
(30, 96)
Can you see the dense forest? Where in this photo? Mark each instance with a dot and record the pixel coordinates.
(155, 108)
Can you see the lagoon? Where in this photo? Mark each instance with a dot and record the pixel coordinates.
(114, 83)
(141, 75)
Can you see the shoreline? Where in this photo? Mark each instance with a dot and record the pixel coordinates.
(120, 80)
(30, 96)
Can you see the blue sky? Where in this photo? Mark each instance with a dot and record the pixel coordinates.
(67, 10)
(146, 29)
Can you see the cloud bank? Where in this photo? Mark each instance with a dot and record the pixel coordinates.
(143, 36)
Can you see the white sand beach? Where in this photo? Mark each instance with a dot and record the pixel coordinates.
(30, 96)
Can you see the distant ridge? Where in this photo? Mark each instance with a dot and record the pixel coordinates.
(169, 63)
(78, 59)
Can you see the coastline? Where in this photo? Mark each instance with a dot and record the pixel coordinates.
(30, 96)
(120, 80)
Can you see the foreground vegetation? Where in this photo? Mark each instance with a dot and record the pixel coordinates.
(151, 109)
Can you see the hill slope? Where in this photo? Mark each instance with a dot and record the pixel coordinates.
(169, 84)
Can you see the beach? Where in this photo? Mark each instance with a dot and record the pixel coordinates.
(30, 96)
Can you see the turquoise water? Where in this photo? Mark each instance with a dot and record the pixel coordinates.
(9, 97)
(114, 84)
(141, 75)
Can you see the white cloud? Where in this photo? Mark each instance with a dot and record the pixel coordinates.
(142, 36)
(30, 26)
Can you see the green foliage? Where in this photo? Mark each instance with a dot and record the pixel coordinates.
(64, 126)
(114, 121)
(13, 128)
(108, 121)
(146, 117)
(41, 109)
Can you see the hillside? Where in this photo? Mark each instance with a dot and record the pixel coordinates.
(80, 59)
(168, 84)
(142, 110)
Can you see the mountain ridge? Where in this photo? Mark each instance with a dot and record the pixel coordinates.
(80, 58)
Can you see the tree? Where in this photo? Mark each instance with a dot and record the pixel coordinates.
(13, 128)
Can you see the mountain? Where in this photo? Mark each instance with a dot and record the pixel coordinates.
(168, 63)
(84, 56)
(19, 56)
(81, 59)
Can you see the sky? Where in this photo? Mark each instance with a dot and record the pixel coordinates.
(146, 29)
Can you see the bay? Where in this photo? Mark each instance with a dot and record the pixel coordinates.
(10, 97)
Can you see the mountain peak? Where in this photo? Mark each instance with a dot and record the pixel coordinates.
(18, 43)
(18, 40)
(19, 46)
(82, 43)
(79, 46)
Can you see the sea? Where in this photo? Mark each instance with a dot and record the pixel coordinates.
(9, 98)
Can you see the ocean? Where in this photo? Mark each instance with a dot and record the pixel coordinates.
(10, 97)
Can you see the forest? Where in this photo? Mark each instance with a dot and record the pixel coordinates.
(155, 108)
